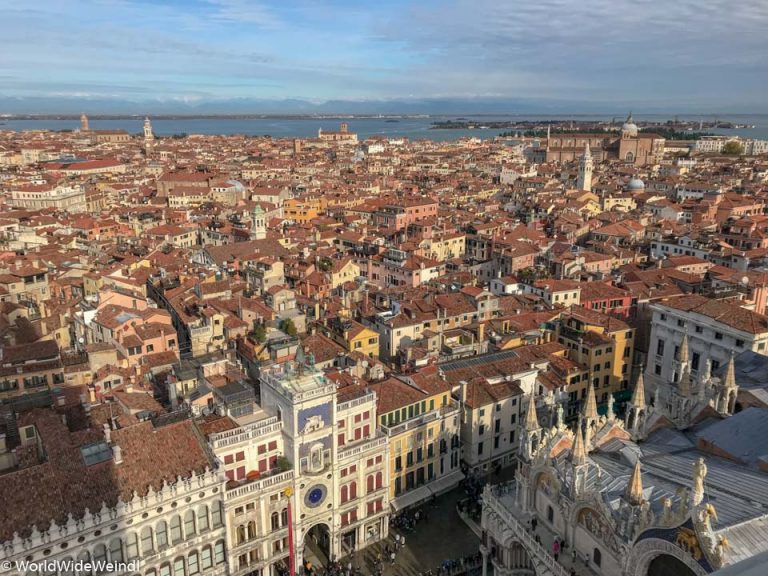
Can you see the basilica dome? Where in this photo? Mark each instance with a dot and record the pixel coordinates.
(629, 128)
(636, 184)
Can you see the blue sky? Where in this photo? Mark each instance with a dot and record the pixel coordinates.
(706, 53)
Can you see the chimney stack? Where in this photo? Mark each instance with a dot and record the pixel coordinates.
(117, 454)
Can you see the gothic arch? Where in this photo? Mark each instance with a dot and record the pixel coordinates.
(546, 480)
(644, 552)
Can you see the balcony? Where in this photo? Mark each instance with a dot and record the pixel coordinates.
(502, 515)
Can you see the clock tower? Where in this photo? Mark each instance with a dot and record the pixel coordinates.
(336, 453)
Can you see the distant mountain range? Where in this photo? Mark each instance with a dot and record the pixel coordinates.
(434, 106)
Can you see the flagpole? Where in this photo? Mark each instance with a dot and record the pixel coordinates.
(288, 492)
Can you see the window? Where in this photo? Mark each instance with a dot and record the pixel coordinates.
(740, 343)
(480, 449)
(657, 369)
(131, 546)
(695, 361)
(161, 535)
(718, 335)
(660, 347)
(146, 541)
(699, 329)
(680, 323)
(202, 519)
(100, 553)
(207, 558)
(176, 535)
(216, 514)
(219, 552)
(116, 550)
(189, 523)
(193, 565)
(178, 567)
(597, 557)
(663, 317)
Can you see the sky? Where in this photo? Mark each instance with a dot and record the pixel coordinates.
(705, 54)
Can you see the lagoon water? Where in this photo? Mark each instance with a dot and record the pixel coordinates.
(412, 128)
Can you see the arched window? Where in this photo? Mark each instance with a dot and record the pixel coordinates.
(100, 553)
(116, 550)
(352, 490)
(251, 530)
(370, 483)
(147, 547)
(379, 480)
(178, 567)
(165, 570)
(67, 561)
(193, 564)
(284, 517)
(597, 556)
(344, 493)
(189, 524)
(550, 514)
(630, 157)
(218, 552)
(206, 558)
(85, 557)
(202, 518)
(161, 535)
(176, 534)
(216, 514)
(240, 534)
(275, 521)
(131, 546)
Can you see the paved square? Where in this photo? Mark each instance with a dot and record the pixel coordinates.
(442, 536)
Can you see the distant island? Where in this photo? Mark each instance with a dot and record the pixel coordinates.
(670, 129)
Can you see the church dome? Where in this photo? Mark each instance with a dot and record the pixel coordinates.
(636, 184)
(629, 128)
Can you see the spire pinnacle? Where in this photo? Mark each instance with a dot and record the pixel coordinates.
(638, 394)
(634, 492)
(578, 452)
(730, 373)
(531, 418)
(590, 408)
(684, 386)
(684, 355)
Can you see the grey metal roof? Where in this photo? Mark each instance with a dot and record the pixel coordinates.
(743, 435)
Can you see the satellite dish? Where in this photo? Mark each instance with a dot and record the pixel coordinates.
(81, 340)
(745, 280)
(365, 363)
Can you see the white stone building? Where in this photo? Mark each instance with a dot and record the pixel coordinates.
(715, 330)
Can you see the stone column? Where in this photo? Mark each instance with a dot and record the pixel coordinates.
(484, 555)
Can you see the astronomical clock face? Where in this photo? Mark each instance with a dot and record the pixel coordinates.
(315, 495)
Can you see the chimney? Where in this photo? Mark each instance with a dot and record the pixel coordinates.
(107, 433)
(129, 387)
(117, 454)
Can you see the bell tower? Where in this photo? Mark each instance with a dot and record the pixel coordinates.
(149, 137)
(584, 181)
(258, 224)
